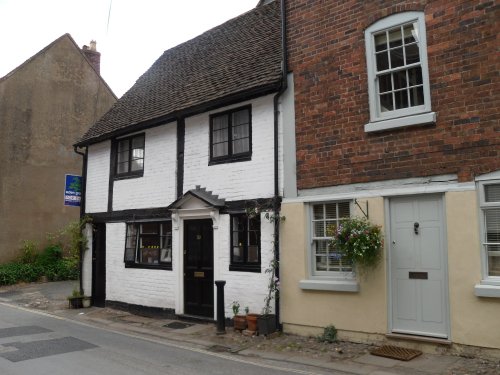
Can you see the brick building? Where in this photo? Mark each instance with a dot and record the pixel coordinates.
(396, 119)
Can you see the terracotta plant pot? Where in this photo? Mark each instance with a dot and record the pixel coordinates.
(252, 322)
(240, 322)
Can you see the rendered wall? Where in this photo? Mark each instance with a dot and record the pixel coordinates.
(308, 311)
(474, 320)
(46, 104)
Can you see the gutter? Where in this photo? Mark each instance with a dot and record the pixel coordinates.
(276, 204)
(82, 209)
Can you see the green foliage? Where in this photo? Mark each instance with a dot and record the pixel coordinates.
(236, 307)
(329, 334)
(358, 241)
(29, 251)
(54, 262)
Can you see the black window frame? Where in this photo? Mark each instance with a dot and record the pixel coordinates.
(231, 157)
(129, 173)
(245, 265)
(135, 250)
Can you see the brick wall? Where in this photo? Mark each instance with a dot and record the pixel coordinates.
(327, 56)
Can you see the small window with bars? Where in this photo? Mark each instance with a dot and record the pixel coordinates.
(325, 258)
(490, 207)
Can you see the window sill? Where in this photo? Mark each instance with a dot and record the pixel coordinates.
(401, 122)
(127, 176)
(167, 267)
(485, 290)
(242, 268)
(231, 159)
(351, 286)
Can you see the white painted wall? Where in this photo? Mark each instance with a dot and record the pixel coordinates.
(248, 288)
(87, 262)
(232, 181)
(157, 188)
(145, 287)
(96, 193)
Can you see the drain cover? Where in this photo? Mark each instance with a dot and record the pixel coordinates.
(396, 352)
(178, 325)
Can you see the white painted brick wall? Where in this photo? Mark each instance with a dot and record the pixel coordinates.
(146, 287)
(249, 288)
(232, 181)
(157, 188)
(96, 194)
(87, 262)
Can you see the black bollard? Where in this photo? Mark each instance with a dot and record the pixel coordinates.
(221, 319)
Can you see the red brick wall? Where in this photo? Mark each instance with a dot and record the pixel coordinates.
(326, 53)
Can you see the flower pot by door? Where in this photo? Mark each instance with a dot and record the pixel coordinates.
(240, 322)
(266, 324)
(252, 322)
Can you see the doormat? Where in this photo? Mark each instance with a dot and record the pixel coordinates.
(178, 325)
(396, 352)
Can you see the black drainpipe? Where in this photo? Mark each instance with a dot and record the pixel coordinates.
(276, 200)
(82, 207)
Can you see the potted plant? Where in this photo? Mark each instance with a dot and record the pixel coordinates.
(239, 321)
(358, 241)
(252, 322)
(77, 300)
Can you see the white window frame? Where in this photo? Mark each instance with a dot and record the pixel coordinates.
(398, 118)
(325, 280)
(489, 285)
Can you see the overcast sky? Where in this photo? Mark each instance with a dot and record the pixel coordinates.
(130, 37)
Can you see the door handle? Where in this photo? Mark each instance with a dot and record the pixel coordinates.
(415, 227)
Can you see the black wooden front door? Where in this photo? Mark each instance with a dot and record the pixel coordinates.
(198, 268)
(99, 265)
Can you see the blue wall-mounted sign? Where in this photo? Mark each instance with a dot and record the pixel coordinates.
(73, 190)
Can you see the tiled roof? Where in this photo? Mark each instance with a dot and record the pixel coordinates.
(242, 55)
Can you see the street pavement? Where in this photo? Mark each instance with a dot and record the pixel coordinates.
(196, 348)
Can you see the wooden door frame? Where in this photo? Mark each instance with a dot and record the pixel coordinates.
(388, 247)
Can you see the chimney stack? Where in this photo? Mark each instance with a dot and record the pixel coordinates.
(93, 56)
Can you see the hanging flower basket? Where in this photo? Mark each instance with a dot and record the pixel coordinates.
(359, 241)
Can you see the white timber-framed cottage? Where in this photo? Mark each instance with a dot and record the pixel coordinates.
(171, 170)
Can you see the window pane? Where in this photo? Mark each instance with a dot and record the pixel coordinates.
(380, 42)
(241, 146)
(319, 229)
(401, 99)
(344, 209)
(397, 58)
(400, 80)
(410, 33)
(123, 146)
(395, 39)
(238, 254)
(149, 228)
(415, 76)
(412, 54)
(321, 247)
(220, 136)
(130, 243)
(122, 167)
(385, 83)
(138, 142)
(492, 193)
(318, 211)
(137, 165)
(331, 210)
(386, 102)
(382, 61)
(493, 260)
(492, 225)
(321, 263)
(416, 96)
(253, 254)
(241, 117)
